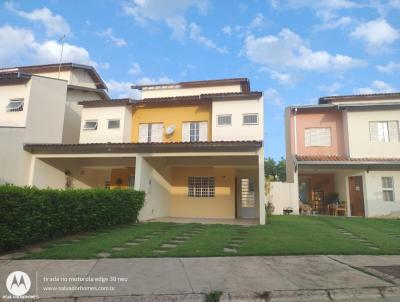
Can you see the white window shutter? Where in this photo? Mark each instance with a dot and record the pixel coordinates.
(203, 131)
(157, 133)
(143, 132)
(307, 137)
(393, 131)
(185, 132)
(373, 132)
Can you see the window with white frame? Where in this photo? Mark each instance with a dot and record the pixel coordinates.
(317, 137)
(151, 133)
(250, 119)
(90, 125)
(195, 131)
(224, 120)
(113, 124)
(384, 131)
(388, 188)
(201, 186)
(15, 105)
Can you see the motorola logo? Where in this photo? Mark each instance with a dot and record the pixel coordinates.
(18, 283)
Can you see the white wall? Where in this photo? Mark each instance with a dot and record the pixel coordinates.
(157, 92)
(283, 195)
(103, 134)
(237, 131)
(374, 196)
(359, 134)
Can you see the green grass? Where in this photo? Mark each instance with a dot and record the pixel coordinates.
(286, 235)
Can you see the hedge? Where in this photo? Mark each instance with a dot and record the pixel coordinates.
(29, 215)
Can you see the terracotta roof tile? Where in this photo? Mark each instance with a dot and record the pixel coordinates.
(337, 158)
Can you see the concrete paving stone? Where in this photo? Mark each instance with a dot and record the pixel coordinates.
(57, 300)
(299, 295)
(159, 251)
(233, 245)
(62, 244)
(368, 260)
(118, 248)
(15, 255)
(233, 275)
(391, 291)
(249, 297)
(175, 241)
(145, 276)
(141, 239)
(355, 293)
(373, 247)
(182, 237)
(156, 298)
(132, 243)
(37, 270)
(103, 255)
(168, 245)
(311, 272)
(229, 250)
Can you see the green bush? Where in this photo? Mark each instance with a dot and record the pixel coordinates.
(29, 215)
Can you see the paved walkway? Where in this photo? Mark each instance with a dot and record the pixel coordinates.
(243, 222)
(285, 278)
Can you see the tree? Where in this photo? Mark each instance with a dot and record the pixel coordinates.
(281, 169)
(270, 168)
(275, 171)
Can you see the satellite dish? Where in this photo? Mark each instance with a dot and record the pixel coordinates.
(170, 129)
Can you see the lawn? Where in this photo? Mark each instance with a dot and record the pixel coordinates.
(286, 235)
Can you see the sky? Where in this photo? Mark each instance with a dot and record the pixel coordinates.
(294, 51)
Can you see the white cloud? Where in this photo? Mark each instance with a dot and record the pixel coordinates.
(394, 3)
(55, 25)
(196, 35)
(376, 34)
(273, 97)
(171, 12)
(22, 47)
(122, 89)
(389, 67)
(227, 30)
(288, 50)
(109, 34)
(331, 20)
(314, 4)
(376, 86)
(258, 21)
(135, 69)
(331, 89)
(154, 81)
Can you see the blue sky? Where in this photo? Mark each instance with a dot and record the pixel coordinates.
(294, 51)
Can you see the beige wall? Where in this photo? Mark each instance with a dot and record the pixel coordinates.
(8, 92)
(359, 134)
(220, 206)
(173, 90)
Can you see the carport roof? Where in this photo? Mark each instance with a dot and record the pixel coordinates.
(220, 146)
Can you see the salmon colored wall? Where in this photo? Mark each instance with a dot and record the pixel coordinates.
(170, 115)
(220, 206)
(123, 174)
(324, 119)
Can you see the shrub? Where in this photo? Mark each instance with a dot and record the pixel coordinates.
(29, 215)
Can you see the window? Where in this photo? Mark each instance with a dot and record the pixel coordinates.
(317, 137)
(200, 186)
(195, 131)
(151, 133)
(387, 188)
(15, 105)
(384, 131)
(90, 125)
(113, 124)
(224, 120)
(250, 119)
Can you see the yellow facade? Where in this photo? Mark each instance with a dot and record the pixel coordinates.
(220, 206)
(119, 177)
(170, 115)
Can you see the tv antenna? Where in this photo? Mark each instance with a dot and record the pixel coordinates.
(61, 54)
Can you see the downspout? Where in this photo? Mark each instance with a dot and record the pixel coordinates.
(295, 130)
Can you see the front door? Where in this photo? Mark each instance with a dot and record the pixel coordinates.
(356, 196)
(246, 198)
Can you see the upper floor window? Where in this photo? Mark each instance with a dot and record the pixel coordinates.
(15, 105)
(384, 131)
(224, 120)
(250, 119)
(201, 186)
(388, 188)
(194, 131)
(317, 137)
(151, 133)
(113, 124)
(90, 125)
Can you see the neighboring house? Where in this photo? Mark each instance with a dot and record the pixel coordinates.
(40, 104)
(195, 148)
(349, 145)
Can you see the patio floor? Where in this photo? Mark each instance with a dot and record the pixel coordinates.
(243, 222)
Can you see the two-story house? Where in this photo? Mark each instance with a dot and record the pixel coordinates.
(41, 104)
(348, 145)
(195, 148)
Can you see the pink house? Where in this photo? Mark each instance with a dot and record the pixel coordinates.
(343, 154)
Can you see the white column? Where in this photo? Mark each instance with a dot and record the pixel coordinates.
(31, 170)
(261, 185)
